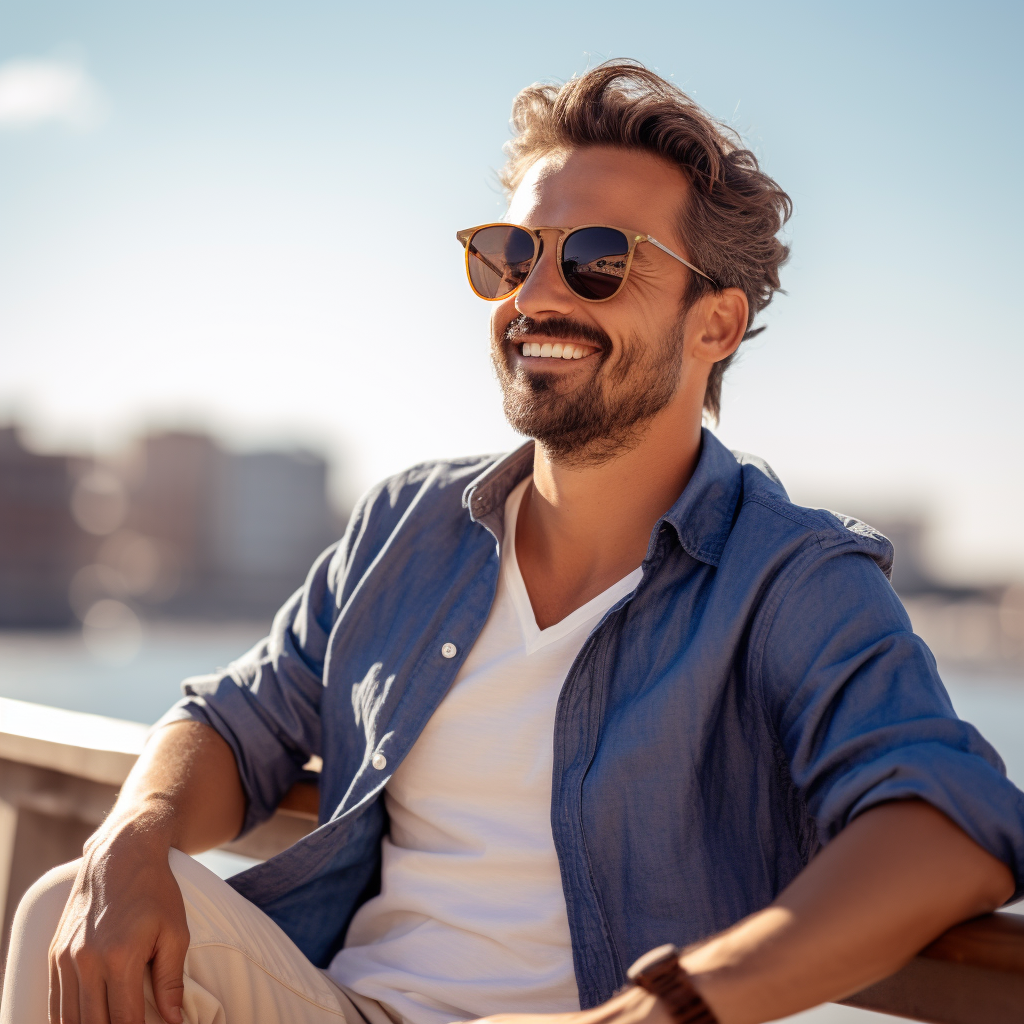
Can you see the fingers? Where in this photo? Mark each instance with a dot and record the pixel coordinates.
(58, 960)
(92, 1003)
(108, 989)
(116, 921)
(168, 970)
(67, 992)
(53, 1008)
(63, 989)
(122, 1003)
(92, 987)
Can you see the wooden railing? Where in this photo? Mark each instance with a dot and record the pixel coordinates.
(60, 772)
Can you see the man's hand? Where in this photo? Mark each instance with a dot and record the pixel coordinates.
(125, 910)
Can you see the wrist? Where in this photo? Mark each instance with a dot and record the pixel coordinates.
(150, 825)
(660, 972)
(633, 1005)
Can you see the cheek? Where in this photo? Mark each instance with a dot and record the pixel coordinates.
(502, 314)
(629, 322)
(651, 316)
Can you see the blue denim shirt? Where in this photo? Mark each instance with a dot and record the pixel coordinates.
(760, 688)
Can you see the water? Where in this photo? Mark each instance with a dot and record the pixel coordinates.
(60, 670)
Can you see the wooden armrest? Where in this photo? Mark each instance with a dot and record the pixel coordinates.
(972, 974)
(994, 942)
(301, 801)
(296, 817)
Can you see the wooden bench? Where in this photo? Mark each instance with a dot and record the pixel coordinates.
(60, 772)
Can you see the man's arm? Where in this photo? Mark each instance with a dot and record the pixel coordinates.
(186, 791)
(896, 878)
(125, 907)
(893, 880)
(855, 700)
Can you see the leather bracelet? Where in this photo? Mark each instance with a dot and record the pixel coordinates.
(660, 973)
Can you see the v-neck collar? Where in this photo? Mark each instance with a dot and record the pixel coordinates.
(535, 638)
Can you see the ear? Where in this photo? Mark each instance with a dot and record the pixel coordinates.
(717, 323)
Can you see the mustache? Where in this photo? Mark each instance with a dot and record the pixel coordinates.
(523, 328)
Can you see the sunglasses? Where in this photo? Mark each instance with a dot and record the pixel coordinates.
(594, 260)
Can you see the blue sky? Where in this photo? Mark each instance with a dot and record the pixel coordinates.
(216, 229)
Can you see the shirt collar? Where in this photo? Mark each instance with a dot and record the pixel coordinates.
(485, 496)
(702, 516)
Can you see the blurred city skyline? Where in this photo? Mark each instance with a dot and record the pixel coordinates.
(241, 219)
(172, 526)
(176, 529)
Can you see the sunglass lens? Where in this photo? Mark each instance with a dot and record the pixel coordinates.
(594, 261)
(500, 257)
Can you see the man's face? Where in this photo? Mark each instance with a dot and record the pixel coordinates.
(592, 408)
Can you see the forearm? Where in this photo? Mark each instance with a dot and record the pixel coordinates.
(893, 880)
(184, 791)
(125, 907)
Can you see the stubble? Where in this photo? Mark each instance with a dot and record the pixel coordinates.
(592, 420)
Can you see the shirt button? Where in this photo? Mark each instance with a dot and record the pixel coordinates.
(449, 651)
(379, 761)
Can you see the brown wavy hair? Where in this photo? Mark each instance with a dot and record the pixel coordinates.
(733, 210)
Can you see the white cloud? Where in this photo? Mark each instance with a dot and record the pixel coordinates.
(36, 91)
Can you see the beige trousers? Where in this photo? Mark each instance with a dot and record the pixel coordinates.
(240, 967)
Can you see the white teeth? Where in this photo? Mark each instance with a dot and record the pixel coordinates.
(552, 350)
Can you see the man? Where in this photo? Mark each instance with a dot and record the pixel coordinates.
(610, 691)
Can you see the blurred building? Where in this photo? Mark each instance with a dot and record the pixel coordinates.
(177, 526)
(41, 545)
(912, 575)
(213, 533)
(981, 626)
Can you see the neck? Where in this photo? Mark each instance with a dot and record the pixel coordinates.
(583, 528)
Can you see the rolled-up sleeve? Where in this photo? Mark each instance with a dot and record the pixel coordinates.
(266, 705)
(862, 714)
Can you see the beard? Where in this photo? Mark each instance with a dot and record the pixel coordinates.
(592, 421)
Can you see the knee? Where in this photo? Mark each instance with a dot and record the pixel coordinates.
(40, 909)
(35, 924)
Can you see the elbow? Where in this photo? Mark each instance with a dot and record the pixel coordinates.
(994, 886)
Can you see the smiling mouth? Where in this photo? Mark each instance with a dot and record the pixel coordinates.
(554, 350)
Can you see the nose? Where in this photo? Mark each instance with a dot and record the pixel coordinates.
(544, 291)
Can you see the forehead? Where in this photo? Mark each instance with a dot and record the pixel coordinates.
(601, 185)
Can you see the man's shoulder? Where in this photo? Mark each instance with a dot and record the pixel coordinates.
(767, 509)
(438, 475)
(436, 486)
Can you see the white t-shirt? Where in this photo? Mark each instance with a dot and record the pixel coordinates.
(471, 916)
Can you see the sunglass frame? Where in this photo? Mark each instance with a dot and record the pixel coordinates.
(465, 236)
